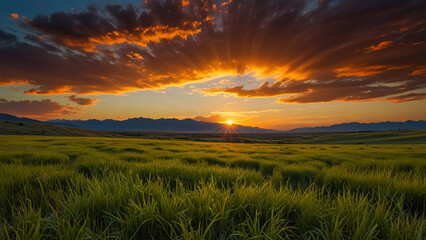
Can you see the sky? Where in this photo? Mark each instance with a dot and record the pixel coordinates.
(277, 64)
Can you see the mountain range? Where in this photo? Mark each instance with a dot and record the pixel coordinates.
(7, 117)
(363, 127)
(156, 125)
(190, 125)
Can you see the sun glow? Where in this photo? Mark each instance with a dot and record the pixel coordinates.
(229, 122)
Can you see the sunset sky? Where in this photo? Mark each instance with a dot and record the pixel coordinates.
(276, 64)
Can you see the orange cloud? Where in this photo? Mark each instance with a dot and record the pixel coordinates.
(14, 15)
(419, 71)
(138, 36)
(226, 3)
(143, 36)
(380, 46)
(418, 43)
(83, 101)
(133, 55)
(364, 71)
(404, 27)
(5, 82)
(185, 2)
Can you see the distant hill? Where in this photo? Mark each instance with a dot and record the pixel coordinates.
(362, 127)
(8, 117)
(37, 128)
(155, 125)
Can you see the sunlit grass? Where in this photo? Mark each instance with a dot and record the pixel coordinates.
(80, 188)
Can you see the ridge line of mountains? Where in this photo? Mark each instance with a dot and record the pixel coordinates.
(144, 125)
(190, 125)
(156, 125)
(363, 127)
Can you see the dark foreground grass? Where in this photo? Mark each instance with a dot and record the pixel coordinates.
(104, 188)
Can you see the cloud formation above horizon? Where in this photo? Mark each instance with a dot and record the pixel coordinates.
(314, 51)
(42, 109)
(82, 101)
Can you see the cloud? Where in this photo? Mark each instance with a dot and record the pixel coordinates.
(43, 109)
(419, 71)
(14, 15)
(363, 71)
(115, 25)
(6, 37)
(266, 89)
(216, 118)
(317, 91)
(311, 49)
(380, 46)
(408, 97)
(82, 101)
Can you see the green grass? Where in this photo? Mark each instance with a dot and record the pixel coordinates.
(387, 137)
(116, 188)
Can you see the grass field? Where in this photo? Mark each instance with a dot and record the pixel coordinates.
(112, 188)
(387, 137)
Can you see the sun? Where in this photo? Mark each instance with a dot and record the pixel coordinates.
(229, 122)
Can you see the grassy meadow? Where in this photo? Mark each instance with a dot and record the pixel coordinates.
(123, 188)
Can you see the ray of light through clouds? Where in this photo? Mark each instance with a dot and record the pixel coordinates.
(267, 63)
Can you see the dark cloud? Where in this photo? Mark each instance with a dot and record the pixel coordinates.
(116, 24)
(64, 72)
(82, 101)
(407, 97)
(316, 51)
(6, 37)
(335, 90)
(37, 109)
(43, 44)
